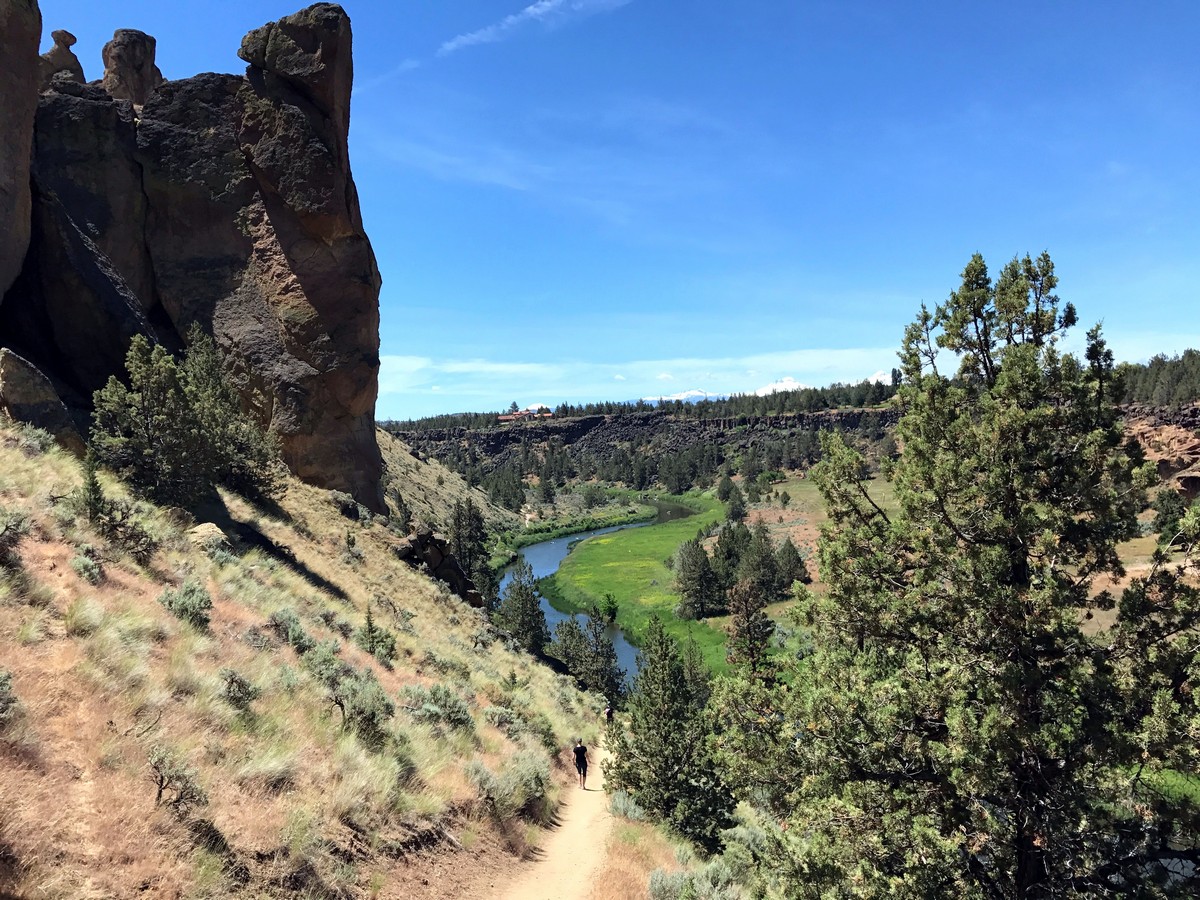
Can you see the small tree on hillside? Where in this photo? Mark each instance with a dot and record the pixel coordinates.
(468, 542)
(735, 511)
(724, 487)
(662, 761)
(791, 565)
(178, 430)
(731, 544)
(750, 629)
(520, 613)
(759, 566)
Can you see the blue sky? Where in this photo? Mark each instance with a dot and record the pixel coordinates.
(610, 199)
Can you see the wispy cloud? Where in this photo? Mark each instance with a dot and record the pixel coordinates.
(549, 13)
(408, 384)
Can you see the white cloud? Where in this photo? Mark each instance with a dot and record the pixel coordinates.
(665, 376)
(783, 384)
(880, 377)
(618, 377)
(545, 12)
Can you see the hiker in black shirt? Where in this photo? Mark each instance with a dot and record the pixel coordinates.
(581, 761)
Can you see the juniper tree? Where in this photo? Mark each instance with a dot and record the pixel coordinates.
(759, 566)
(963, 726)
(663, 761)
(694, 580)
(749, 630)
(791, 565)
(468, 542)
(520, 613)
(178, 428)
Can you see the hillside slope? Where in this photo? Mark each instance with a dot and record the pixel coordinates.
(312, 788)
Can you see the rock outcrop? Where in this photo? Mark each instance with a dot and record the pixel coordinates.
(60, 60)
(129, 69)
(428, 550)
(27, 396)
(222, 200)
(21, 29)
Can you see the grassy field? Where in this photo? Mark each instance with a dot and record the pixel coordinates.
(630, 566)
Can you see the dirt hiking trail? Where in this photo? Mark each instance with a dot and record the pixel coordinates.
(565, 866)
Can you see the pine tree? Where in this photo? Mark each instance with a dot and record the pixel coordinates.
(178, 429)
(956, 731)
(731, 544)
(468, 542)
(759, 567)
(520, 613)
(791, 564)
(663, 761)
(695, 581)
(750, 630)
(736, 510)
(724, 487)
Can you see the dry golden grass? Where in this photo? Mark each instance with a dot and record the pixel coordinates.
(430, 489)
(634, 850)
(104, 673)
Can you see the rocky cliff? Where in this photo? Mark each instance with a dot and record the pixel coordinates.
(135, 205)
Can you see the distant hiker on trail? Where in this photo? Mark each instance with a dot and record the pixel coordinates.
(581, 761)
(608, 714)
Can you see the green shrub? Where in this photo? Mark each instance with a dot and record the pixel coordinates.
(326, 665)
(190, 602)
(237, 690)
(286, 624)
(87, 568)
(518, 722)
(437, 706)
(521, 789)
(379, 642)
(14, 525)
(625, 807)
(33, 441)
(365, 707)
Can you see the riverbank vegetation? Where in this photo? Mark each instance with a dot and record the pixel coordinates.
(632, 567)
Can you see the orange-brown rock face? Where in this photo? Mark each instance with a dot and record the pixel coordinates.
(225, 200)
(129, 69)
(255, 231)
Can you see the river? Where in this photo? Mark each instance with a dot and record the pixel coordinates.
(545, 558)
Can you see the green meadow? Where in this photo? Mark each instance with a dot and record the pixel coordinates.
(631, 565)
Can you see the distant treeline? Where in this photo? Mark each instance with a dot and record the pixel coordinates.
(1164, 381)
(835, 396)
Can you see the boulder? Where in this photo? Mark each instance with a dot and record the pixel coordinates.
(27, 396)
(129, 69)
(209, 537)
(425, 547)
(21, 30)
(60, 60)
